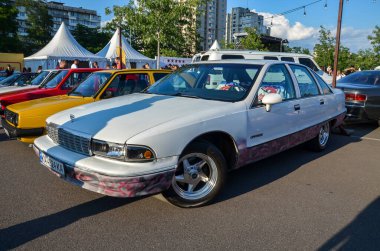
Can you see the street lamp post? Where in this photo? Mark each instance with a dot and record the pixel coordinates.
(338, 31)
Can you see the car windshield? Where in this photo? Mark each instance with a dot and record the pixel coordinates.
(37, 80)
(362, 77)
(91, 85)
(224, 82)
(9, 80)
(56, 80)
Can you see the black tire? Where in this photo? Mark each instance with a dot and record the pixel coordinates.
(206, 172)
(320, 142)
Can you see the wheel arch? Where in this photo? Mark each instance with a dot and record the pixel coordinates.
(224, 142)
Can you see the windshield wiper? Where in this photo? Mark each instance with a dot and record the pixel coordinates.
(180, 94)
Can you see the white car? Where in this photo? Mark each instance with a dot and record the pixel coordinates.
(183, 135)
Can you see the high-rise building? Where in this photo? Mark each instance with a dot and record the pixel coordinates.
(242, 18)
(61, 13)
(212, 22)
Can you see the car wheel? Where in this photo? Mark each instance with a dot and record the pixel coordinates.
(319, 143)
(199, 177)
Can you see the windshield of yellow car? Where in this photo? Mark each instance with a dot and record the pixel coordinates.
(91, 85)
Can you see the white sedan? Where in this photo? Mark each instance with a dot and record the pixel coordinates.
(184, 133)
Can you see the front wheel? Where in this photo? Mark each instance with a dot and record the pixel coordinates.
(319, 143)
(199, 177)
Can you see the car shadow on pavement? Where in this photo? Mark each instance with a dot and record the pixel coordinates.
(363, 233)
(261, 173)
(17, 235)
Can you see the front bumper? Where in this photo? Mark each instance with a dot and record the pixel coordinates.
(14, 132)
(110, 177)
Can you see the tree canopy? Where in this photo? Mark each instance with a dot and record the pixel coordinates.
(169, 23)
(92, 39)
(252, 41)
(9, 41)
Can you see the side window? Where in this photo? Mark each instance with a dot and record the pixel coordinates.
(157, 76)
(308, 87)
(270, 58)
(124, 84)
(205, 58)
(232, 57)
(74, 80)
(309, 63)
(276, 80)
(287, 59)
(325, 88)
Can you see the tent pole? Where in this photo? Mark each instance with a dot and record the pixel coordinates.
(120, 47)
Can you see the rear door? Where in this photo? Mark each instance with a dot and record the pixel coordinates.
(311, 103)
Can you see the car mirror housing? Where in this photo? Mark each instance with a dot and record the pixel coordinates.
(271, 99)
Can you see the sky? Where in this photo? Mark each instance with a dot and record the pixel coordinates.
(359, 18)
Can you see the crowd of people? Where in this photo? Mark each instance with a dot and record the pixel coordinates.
(341, 74)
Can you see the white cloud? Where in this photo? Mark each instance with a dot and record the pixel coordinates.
(307, 36)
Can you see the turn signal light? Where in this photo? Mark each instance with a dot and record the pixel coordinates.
(356, 97)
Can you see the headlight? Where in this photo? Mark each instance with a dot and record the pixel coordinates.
(121, 152)
(107, 149)
(11, 117)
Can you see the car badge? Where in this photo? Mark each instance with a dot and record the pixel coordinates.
(72, 117)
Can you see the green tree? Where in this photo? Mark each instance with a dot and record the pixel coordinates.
(367, 59)
(252, 41)
(375, 39)
(9, 41)
(92, 39)
(40, 25)
(324, 49)
(299, 50)
(169, 24)
(225, 45)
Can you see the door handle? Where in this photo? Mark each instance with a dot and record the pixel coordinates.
(321, 102)
(297, 107)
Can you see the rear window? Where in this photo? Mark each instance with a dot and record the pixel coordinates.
(158, 76)
(309, 63)
(232, 57)
(270, 58)
(362, 77)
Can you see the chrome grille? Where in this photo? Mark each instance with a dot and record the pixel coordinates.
(68, 140)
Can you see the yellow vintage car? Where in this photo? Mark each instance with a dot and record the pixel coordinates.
(26, 120)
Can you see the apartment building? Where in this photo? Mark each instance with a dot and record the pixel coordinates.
(241, 18)
(212, 22)
(62, 13)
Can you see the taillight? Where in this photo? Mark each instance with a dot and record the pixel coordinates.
(356, 97)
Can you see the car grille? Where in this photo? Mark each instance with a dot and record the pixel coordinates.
(68, 140)
(11, 117)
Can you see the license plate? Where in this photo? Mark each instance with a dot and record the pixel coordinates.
(54, 165)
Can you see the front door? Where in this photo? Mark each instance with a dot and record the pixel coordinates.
(282, 119)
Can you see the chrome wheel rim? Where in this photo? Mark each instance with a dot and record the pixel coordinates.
(324, 134)
(196, 176)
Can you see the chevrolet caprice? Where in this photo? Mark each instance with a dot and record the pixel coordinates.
(182, 136)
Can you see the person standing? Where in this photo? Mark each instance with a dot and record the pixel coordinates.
(119, 64)
(75, 64)
(146, 66)
(95, 65)
(39, 69)
(9, 70)
(63, 64)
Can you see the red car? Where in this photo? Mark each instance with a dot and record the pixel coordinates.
(60, 84)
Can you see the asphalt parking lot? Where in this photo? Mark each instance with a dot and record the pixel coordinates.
(296, 200)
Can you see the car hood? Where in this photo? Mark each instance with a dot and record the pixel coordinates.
(119, 119)
(48, 105)
(16, 88)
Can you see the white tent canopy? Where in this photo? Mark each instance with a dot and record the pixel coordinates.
(215, 46)
(132, 56)
(63, 46)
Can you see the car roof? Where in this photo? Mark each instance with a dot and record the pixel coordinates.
(251, 52)
(112, 71)
(82, 69)
(243, 61)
